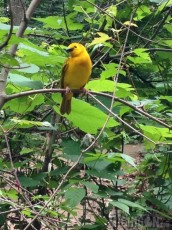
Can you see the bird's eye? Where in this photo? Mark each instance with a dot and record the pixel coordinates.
(75, 47)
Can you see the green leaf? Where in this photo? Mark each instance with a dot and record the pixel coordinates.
(97, 161)
(12, 194)
(122, 90)
(141, 12)
(164, 4)
(112, 10)
(120, 205)
(28, 124)
(129, 159)
(93, 187)
(71, 149)
(74, 196)
(168, 27)
(86, 117)
(7, 27)
(168, 98)
(27, 212)
(25, 104)
(101, 85)
(28, 182)
(29, 68)
(58, 22)
(4, 19)
(167, 42)
(142, 56)
(22, 81)
(132, 204)
(36, 55)
(7, 59)
(111, 70)
(26, 151)
(101, 39)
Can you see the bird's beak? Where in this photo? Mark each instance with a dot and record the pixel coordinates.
(69, 50)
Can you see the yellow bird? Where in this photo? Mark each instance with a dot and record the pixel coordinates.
(75, 74)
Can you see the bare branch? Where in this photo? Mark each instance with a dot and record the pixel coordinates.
(40, 91)
(20, 32)
(5, 43)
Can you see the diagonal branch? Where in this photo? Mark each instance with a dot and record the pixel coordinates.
(5, 43)
(20, 32)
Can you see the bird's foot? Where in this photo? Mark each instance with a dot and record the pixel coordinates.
(84, 91)
(68, 90)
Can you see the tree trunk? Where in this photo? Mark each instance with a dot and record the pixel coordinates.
(18, 11)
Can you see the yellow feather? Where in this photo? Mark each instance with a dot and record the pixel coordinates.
(75, 73)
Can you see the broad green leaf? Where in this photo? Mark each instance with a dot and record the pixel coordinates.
(101, 85)
(84, 116)
(25, 104)
(97, 164)
(101, 39)
(168, 27)
(164, 4)
(71, 149)
(74, 196)
(142, 56)
(12, 194)
(29, 68)
(129, 159)
(36, 55)
(84, 7)
(26, 151)
(58, 22)
(15, 40)
(4, 19)
(156, 133)
(39, 59)
(122, 90)
(31, 47)
(167, 42)
(168, 98)
(120, 205)
(7, 59)
(105, 174)
(28, 182)
(27, 212)
(26, 123)
(111, 70)
(112, 10)
(93, 187)
(22, 81)
(141, 12)
(131, 204)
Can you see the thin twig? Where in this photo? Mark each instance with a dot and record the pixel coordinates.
(56, 191)
(65, 21)
(40, 91)
(121, 120)
(159, 27)
(5, 43)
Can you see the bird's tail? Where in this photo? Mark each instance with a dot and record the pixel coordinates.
(65, 106)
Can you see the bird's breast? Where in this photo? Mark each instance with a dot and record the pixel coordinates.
(78, 72)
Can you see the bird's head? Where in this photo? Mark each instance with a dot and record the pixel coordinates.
(75, 49)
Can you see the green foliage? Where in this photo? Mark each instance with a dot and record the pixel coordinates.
(74, 166)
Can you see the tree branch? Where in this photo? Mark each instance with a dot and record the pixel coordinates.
(159, 27)
(43, 91)
(20, 32)
(5, 43)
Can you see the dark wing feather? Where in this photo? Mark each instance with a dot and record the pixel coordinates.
(65, 67)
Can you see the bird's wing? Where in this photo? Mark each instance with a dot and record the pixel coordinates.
(65, 67)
